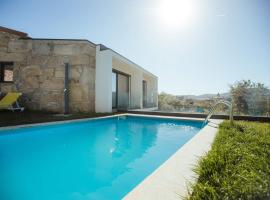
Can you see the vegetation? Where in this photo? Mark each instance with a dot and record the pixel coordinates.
(249, 98)
(173, 103)
(237, 166)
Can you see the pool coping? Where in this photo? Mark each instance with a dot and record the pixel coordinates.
(95, 118)
(170, 180)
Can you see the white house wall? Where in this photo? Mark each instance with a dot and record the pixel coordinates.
(135, 82)
(103, 100)
(106, 61)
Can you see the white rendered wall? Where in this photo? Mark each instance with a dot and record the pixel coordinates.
(103, 81)
(137, 76)
(135, 82)
(107, 60)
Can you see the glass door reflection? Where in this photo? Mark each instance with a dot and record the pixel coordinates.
(114, 91)
(120, 90)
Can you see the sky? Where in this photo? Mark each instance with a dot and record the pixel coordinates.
(193, 46)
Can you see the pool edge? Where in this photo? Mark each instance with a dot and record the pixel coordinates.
(171, 179)
(160, 186)
(94, 118)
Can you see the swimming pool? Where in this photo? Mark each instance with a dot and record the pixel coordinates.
(94, 159)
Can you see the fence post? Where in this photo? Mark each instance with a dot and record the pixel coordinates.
(231, 112)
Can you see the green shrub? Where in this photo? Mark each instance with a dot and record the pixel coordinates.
(237, 166)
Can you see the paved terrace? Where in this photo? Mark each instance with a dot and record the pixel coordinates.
(8, 118)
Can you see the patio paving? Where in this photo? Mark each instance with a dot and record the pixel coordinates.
(8, 118)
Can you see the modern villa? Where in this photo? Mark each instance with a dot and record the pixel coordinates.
(72, 75)
(81, 121)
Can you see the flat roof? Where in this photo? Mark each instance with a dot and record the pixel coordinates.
(24, 36)
(14, 32)
(61, 39)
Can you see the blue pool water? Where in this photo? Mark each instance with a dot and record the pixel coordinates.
(97, 159)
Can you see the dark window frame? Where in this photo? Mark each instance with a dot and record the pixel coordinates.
(144, 88)
(116, 90)
(2, 71)
(129, 85)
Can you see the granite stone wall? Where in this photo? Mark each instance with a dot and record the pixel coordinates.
(39, 72)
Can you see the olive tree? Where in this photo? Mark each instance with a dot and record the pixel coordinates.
(250, 98)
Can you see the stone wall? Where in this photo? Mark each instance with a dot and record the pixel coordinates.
(39, 72)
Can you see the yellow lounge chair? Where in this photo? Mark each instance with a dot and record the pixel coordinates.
(10, 101)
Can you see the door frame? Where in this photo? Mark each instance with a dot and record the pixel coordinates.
(129, 86)
(144, 91)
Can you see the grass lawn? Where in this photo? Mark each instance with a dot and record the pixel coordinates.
(237, 166)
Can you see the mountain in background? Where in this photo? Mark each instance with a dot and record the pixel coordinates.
(205, 96)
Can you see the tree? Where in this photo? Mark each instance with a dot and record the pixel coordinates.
(250, 98)
(239, 92)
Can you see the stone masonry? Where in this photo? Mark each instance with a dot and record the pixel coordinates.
(38, 72)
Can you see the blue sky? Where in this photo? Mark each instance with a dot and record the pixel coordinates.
(220, 42)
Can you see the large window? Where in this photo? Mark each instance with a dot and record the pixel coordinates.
(120, 90)
(114, 90)
(144, 84)
(6, 72)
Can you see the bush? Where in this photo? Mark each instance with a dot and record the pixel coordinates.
(237, 166)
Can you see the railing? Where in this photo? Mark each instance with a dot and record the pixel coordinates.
(214, 107)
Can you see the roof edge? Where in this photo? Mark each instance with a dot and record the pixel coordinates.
(61, 39)
(103, 48)
(14, 32)
(24, 36)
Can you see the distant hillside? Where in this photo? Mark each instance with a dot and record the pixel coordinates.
(204, 96)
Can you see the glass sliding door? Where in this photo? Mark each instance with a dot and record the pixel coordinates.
(144, 85)
(114, 91)
(120, 90)
(123, 92)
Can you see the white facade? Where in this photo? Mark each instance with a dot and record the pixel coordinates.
(108, 61)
